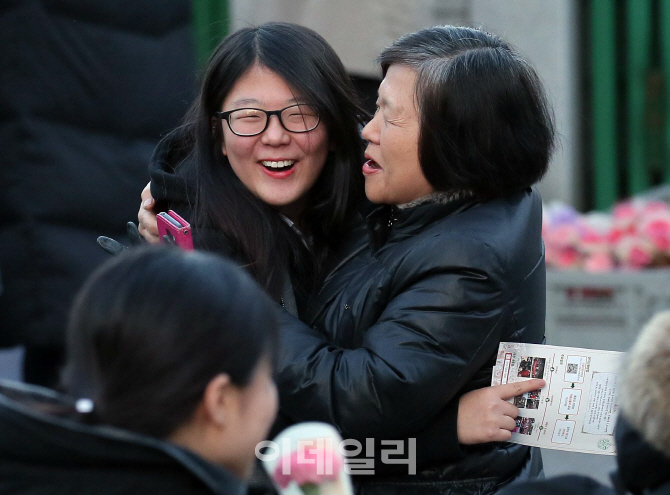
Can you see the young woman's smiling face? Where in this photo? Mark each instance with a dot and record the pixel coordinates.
(277, 166)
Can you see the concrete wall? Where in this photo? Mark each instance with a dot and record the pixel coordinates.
(544, 31)
(357, 29)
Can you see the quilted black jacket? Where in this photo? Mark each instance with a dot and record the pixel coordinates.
(46, 448)
(411, 322)
(86, 89)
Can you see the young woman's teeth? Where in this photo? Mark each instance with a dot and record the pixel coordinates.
(279, 164)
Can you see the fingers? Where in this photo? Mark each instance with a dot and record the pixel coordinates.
(110, 245)
(504, 435)
(147, 198)
(510, 390)
(508, 409)
(134, 235)
(148, 227)
(484, 415)
(146, 217)
(508, 423)
(169, 240)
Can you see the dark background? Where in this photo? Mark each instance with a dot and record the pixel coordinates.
(86, 90)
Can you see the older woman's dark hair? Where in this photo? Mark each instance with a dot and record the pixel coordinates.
(266, 244)
(486, 127)
(150, 329)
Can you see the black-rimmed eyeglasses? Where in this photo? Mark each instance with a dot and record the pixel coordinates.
(253, 121)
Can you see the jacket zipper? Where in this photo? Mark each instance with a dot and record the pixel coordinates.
(392, 216)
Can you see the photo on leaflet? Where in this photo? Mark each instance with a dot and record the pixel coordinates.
(524, 426)
(521, 400)
(525, 366)
(531, 367)
(533, 394)
(538, 368)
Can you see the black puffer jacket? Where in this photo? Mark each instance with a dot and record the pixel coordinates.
(45, 448)
(86, 89)
(407, 325)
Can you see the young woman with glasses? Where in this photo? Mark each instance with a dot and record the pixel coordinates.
(270, 151)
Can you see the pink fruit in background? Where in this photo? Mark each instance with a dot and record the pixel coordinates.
(563, 235)
(634, 252)
(625, 214)
(568, 258)
(615, 235)
(654, 207)
(636, 234)
(599, 262)
(640, 257)
(655, 226)
(551, 255)
(658, 232)
(593, 242)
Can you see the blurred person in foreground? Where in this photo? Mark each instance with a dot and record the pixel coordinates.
(642, 433)
(172, 353)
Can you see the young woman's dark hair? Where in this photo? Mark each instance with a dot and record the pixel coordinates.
(260, 238)
(151, 328)
(486, 127)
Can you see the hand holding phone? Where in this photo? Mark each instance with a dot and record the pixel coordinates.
(174, 229)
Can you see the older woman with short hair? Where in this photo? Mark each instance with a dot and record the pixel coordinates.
(402, 330)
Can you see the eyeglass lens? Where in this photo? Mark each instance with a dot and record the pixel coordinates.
(296, 118)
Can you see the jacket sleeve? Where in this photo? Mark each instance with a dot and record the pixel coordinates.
(173, 188)
(443, 322)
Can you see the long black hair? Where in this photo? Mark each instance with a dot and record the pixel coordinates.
(151, 328)
(486, 126)
(260, 238)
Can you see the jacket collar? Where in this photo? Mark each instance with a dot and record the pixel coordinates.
(395, 222)
(39, 416)
(440, 198)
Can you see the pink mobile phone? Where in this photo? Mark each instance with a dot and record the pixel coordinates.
(172, 226)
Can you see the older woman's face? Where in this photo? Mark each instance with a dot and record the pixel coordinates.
(392, 173)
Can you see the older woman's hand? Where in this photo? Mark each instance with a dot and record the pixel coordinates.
(146, 217)
(484, 415)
